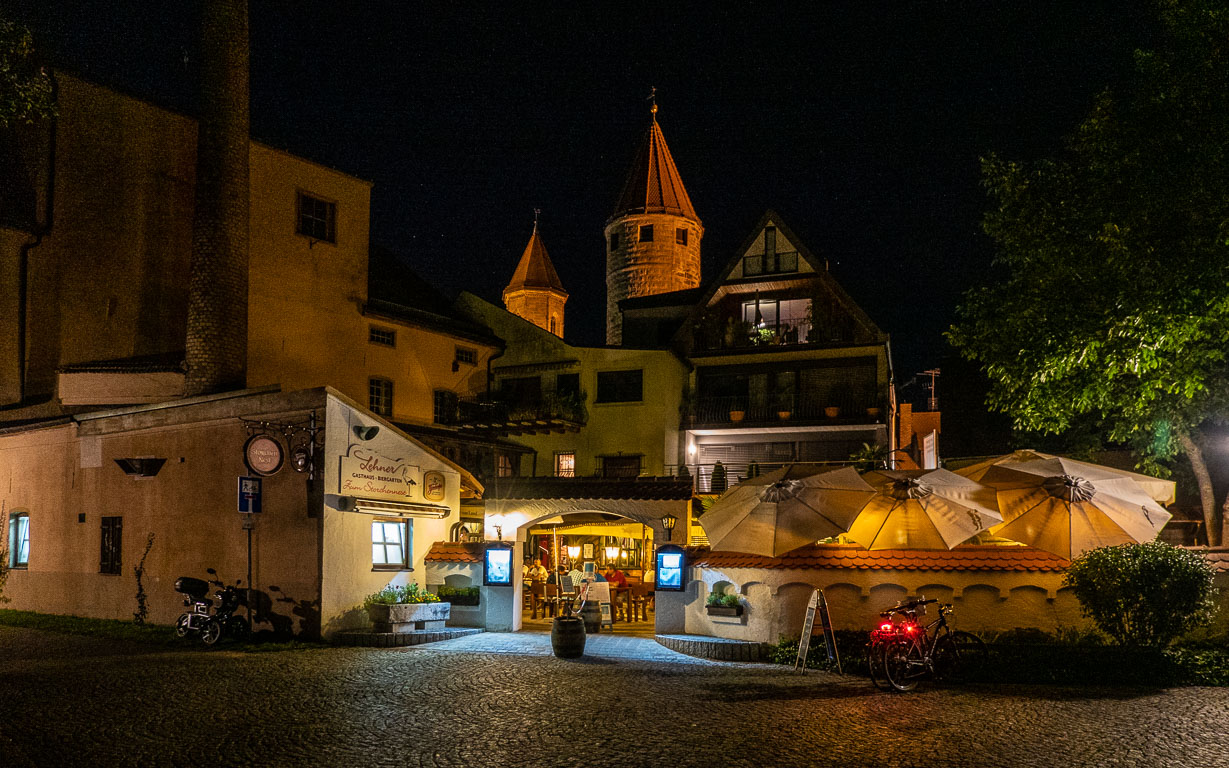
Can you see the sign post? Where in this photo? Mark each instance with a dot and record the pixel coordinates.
(249, 495)
(818, 604)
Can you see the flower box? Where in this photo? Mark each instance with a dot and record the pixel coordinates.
(460, 599)
(737, 415)
(724, 610)
(403, 618)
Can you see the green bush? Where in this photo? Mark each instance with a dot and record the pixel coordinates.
(727, 601)
(1144, 594)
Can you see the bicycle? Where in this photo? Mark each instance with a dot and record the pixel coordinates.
(880, 637)
(934, 650)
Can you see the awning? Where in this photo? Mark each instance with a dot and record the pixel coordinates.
(398, 508)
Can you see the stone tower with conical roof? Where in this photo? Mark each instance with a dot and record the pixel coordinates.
(653, 237)
(535, 291)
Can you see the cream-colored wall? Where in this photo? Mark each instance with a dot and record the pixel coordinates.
(757, 248)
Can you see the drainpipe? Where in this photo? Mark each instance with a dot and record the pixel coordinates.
(40, 230)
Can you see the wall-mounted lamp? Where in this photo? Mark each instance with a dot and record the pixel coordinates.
(691, 449)
(365, 432)
(668, 522)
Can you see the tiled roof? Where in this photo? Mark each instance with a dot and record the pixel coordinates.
(535, 269)
(455, 552)
(643, 488)
(686, 297)
(968, 557)
(654, 185)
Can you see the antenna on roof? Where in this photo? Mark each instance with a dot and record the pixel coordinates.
(932, 402)
(653, 98)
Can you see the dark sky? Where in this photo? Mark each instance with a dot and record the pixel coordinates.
(861, 123)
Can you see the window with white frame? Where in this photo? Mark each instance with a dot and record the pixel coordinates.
(390, 545)
(317, 218)
(382, 336)
(19, 539)
(467, 356)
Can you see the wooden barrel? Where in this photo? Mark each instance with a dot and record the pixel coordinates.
(591, 612)
(567, 637)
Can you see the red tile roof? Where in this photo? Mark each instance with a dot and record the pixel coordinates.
(654, 185)
(969, 557)
(535, 269)
(455, 552)
(1219, 559)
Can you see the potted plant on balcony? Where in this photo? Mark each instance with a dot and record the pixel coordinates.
(737, 413)
(717, 483)
(723, 605)
(784, 399)
(401, 610)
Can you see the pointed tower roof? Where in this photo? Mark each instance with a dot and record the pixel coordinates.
(535, 269)
(654, 185)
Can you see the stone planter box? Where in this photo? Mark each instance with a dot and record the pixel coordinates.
(723, 610)
(408, 617)
(461, 599)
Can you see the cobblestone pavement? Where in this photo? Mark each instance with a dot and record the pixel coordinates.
(81, 701)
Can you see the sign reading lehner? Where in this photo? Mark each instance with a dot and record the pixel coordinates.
(367, 474)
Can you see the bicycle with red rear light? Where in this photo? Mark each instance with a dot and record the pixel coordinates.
(889, 629)
(933, 650)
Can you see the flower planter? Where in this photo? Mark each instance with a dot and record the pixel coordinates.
(737, 415)
(832, 412)
(402, 618)
(460, 599)
(783, 415)
(723, 610)
(872, 413)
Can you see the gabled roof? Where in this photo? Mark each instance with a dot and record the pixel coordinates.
(535, 269)
(654, 185)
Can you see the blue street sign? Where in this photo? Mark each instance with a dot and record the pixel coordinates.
(249, 494)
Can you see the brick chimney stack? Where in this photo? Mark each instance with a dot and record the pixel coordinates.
(218, 286)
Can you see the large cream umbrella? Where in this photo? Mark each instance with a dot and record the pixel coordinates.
(1069, 507)
(923, 509)
(783, 510)
(1161, 491)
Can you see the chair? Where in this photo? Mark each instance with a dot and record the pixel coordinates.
(550, 598)
(641, 595)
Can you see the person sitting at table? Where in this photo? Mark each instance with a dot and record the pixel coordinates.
(616, 577)
(536, 571)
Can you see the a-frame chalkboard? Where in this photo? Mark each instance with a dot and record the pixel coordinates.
(817, 604)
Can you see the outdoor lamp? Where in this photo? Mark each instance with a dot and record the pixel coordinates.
(668, 522)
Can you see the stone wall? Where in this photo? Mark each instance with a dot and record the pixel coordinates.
(637, 268)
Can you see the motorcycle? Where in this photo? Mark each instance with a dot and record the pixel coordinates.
(199, 621)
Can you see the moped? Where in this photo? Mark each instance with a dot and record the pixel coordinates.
(201, 620)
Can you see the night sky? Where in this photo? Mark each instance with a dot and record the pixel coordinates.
(861, 123)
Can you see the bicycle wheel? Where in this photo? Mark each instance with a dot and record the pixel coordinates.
(960, 657)
(874, 662)
(902, 664)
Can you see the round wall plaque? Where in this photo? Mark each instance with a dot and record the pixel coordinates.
(263, 454)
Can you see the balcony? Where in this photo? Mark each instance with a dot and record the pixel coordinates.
(807, 408)
(735, 472)
(497, 416)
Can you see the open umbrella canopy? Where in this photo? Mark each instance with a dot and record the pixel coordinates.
(1161, 491)
(781, 511)
(923, 509)
(1068, 507)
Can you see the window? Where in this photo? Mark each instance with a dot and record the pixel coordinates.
(567, 385)
(614, 241)
(390, 545)
(680, 236)
(770, 261)
(620, 386)
(112, 539)
(317, 218)
(522, 391)
(503, 466)
(620, 466)
(445, 407)
(380, 396)
(554, 322)
(382, 336)
(565, 465)
(646, 233)
(19, 540)
(467, 356)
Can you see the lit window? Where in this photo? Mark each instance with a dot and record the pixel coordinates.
(646, 233)
(503, 466)
(112, 545)
(614, 241)
(380, 396)
(382, 336)
(19, 539)
(467, 356)
(680, 236)
(317, 218)
(565, 465)
(390, 544)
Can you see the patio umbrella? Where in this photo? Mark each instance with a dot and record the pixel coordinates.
(783, 510)
(923, 509)
(1069, 507)
(1161, 491)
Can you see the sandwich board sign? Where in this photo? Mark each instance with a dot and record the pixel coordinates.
(818, 604)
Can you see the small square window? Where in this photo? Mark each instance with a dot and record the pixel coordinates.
(390, 545)
(620, 386)
(380, 396)
(382, 336)
(614, 241)
(317, 218)
(680, 236)
(467, 356)
(503, 466)
(646, 233)
(565, 465)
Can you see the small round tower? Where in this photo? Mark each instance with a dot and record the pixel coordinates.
(653, 237)
(535, 291)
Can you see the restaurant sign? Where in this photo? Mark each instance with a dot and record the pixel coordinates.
(369, 475)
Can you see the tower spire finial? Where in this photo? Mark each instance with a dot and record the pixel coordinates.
(653, 99)
(536, 212)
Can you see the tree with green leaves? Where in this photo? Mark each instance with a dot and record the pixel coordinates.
(25, 86)
(1108, 300)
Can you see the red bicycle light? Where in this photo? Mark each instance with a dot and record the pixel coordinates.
(909, 628)
(885, 626)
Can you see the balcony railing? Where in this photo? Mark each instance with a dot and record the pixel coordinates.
(736, 335)
(735, 472)
(549, 413)
(809, 408)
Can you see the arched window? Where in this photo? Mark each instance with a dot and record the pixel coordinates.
(554, 325)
